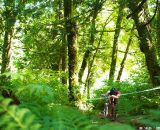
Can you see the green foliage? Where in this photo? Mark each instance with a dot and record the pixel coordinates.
(50, 117)
(36, 93)
(69, 118)
(123, 87)
(61, 117)
(117, 126)
(39, 86)
(15, 118)
(39, 36)
(133, 104)
(153, 118)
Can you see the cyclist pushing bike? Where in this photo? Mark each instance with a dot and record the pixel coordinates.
(110, 107)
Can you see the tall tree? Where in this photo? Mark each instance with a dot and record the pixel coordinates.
(9, 14)
(87, 82)
(43, 27)
(71, 31)
(115, 41)
(62, 41)
(158, 30)
(64, 57)
(125, 55)
(11, 10)
(146, 42)
(63, 49)
(96, 8)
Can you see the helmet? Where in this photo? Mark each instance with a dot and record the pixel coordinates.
(113, 91)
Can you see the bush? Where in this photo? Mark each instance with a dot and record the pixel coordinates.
(40, 86)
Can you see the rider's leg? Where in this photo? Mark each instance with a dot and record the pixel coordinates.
(114, 113)
(109, 110)
(114, 117)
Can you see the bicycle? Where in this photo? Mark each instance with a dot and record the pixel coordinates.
(105, 111)
(109, 109)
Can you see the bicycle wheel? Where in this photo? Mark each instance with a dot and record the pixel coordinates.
(105, 110)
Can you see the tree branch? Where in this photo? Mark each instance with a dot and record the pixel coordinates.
(153, 15)
(137, 9)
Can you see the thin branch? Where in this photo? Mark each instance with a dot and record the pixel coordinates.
(94, 56)
(153, 15)
(137, 9)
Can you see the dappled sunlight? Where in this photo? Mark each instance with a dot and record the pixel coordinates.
(79, 65)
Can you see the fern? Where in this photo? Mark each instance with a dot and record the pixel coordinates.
(153, 119)
(42, 96)
(15, 118)
(37, 93)
(67, 118)
(116, 126)
(40, 86)
(50, 117)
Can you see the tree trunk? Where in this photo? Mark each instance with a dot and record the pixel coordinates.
(63, 46)
(125, 55)
(146, 44)
(115, 42)
(64, 58)
(84, 65)
(71, 30)
(158, 31)
(6, 52)
(97, 7)
(88, 51)
(87, 83)
(10, 19)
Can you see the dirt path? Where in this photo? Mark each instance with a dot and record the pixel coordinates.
(133, 121)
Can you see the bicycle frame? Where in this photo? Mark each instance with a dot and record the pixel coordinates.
(106, 106)
(109, 109)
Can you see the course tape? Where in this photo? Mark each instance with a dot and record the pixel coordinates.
(147, 90)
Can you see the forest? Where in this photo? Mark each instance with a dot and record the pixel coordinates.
(60, 59)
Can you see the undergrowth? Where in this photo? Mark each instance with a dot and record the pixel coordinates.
(142, 108)
(44, 106)
(51, 117)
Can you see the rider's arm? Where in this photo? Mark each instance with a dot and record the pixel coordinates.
(116, 96)
(105, 94)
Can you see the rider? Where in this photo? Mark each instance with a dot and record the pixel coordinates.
(113, 95)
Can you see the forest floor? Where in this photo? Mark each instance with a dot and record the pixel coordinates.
(123, 119)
